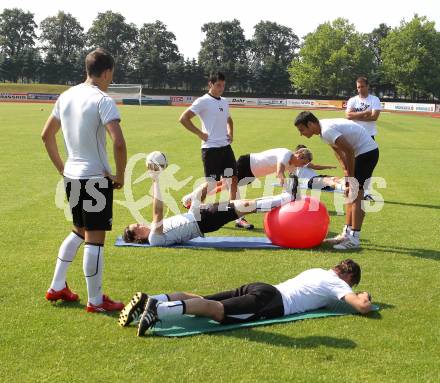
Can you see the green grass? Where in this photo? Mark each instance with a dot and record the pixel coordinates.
(32, 88)
(400, 260)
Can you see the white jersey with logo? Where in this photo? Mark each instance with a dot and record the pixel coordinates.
(213, 113)
(354, 134)
(311, 290)
(177, 229)
(83, 111)
(265, 163)
(359, 104)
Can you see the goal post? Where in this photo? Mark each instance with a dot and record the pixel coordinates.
(126, 93)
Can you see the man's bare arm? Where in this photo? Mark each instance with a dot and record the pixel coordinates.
(119, 152)
(48, 136)
(360, 302)
(185, 120)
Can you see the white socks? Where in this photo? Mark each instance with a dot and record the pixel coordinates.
(66, 254)
(93, 265)
(160, 297)
(170, 309)
(269, 203)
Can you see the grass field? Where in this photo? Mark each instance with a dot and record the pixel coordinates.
(62, 343)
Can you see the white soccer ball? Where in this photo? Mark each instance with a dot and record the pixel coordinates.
(156, 161)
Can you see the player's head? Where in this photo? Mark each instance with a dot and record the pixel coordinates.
(136, 233)
(216, 84)
(304, 155)
(298, 147)
(307, 124)
(349, 271)
(100, 65)
(362, 86)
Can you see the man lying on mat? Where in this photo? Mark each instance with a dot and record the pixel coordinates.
(201, 218)
(310, 290)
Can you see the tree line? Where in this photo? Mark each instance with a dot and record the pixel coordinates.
(400, 62)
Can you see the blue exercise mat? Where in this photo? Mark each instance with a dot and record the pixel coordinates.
(188, 325)
(215, 242)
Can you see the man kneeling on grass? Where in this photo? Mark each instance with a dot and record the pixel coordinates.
(310, 290)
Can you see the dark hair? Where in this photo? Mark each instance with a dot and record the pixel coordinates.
(348, 266)
(129, 237)
(216, 76)
(298, 147)
(99, 61)
(304, 118)
(362, 79)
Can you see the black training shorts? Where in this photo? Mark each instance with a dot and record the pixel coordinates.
(244, 172)
(91, 202)
(213, 216)
(364, 165)
(219, 162)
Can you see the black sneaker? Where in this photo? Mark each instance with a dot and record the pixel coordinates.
(242, 223)
(133, 310)
(292, 186)
(149, 316)
(368, 197)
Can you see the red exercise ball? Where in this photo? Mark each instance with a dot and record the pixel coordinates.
(300, 224)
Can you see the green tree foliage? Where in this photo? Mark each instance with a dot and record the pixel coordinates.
(158, 56)
(110, 31)
(330, 59)
(411, 57)
(226, 49)
(63, 41)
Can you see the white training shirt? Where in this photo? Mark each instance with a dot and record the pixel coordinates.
(84, 110)
(304, 174)
(177, 229)
(311, 290)
(265, 163)
(213, 113)
(359, 104)
(355, 134)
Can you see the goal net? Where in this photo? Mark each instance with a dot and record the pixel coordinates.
(126, 93)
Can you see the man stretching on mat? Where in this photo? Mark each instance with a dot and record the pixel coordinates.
(200, 219)
(310, 290)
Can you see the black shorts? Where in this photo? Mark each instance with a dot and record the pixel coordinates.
(244, 172)
(364, 165)
(219, 162)
(250, 302)
(213, 216)
(316, 183)
(91, 202)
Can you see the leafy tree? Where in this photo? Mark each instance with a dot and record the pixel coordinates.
(411, 57)
(110, 31)
(194, 77)
(330, 59)
(63, 41)
(225, 48)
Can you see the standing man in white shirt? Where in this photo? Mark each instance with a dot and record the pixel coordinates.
(217, 135)
(312, 289)
(358, 154)
(365, 110)
(85, 113)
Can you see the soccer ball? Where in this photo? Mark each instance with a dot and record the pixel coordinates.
(156, 161)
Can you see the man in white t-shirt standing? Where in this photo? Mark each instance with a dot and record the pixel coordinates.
(358, 154)
(217, 134)
(365, 110)
(85, 113)
(312, 289)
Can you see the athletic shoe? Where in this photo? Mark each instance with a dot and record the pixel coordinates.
(149, 316)
(348, 244)
(335, 240)
(292, 185)
(133, 310)
(107, 305)
(242, 223)
(186, 202)
(369, 197)
(65, 294)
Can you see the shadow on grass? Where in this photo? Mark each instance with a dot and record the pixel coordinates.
(421, 253)
(412, 204)
(274, 339)
(78, 305)
(237, 229)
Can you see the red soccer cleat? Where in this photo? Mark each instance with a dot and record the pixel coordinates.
(65, 294)
(107, 305)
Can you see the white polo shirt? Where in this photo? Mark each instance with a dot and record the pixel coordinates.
(265, 163)
(304, 174)
(359, 104)
(83, 111)
(355, 134)
(213, 113)
(311, 290)
(176, 229)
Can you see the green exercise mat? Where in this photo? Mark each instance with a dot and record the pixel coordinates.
(190, 325)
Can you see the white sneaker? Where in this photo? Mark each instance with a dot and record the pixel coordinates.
(186, 201)
(347, 244)
(338, 239)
